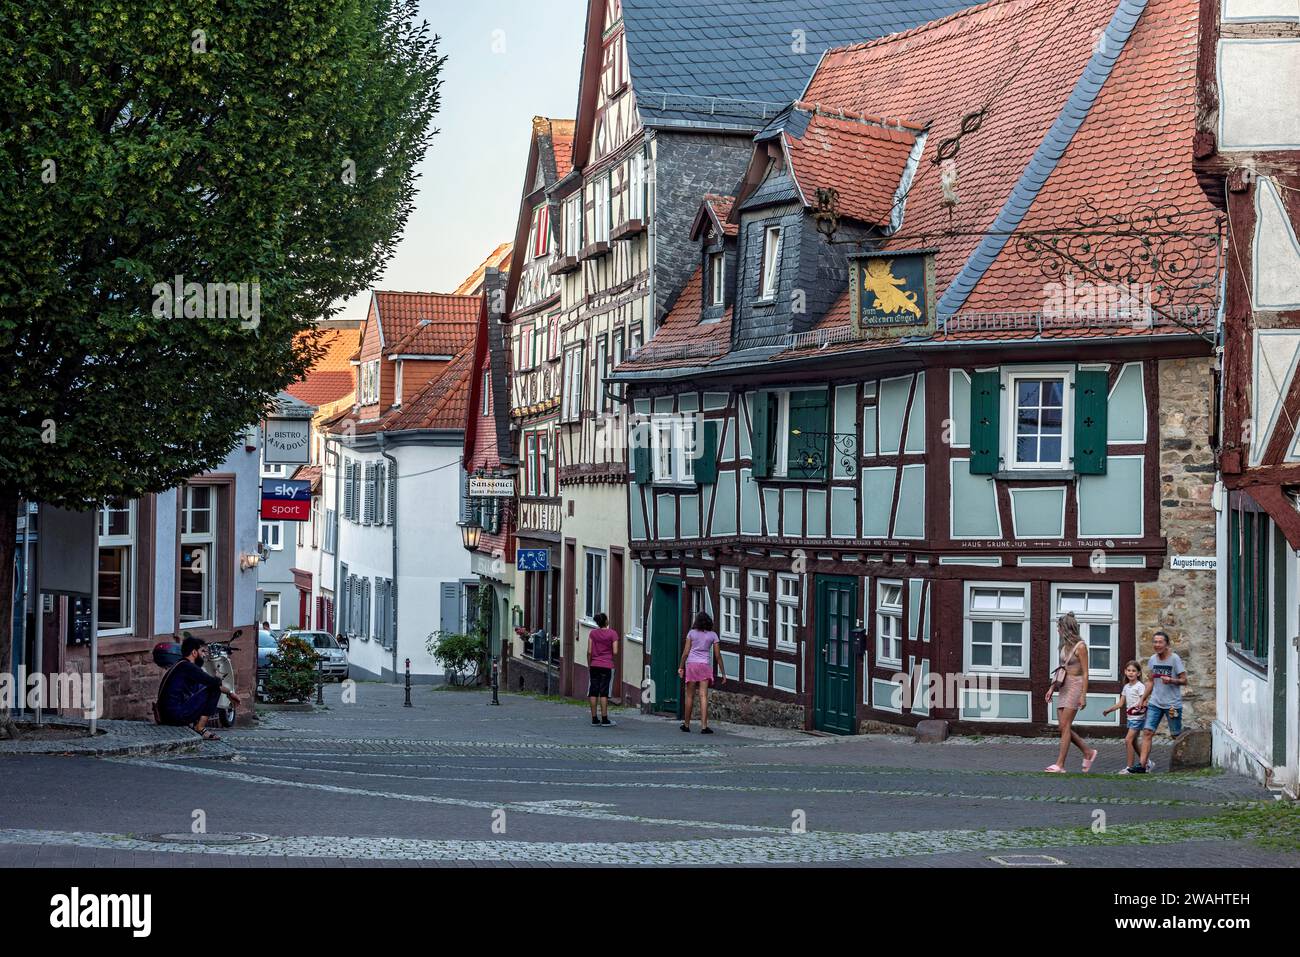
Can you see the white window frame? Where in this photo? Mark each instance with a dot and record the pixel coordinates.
(593, 600)
(997, 617)
(487, 393)
(1086, 620)
(602, 370)
(635, 628)
(397, 382)
(717, 278)
(275, 541)
(672, 448)
(540, 243)
(370, 382)
(193, 542)
(729, 604)
(770, 265)
(573, 224)
(788, 605)
(636, 186)
(1010, 378)
(573, 360)
(271, 610)
(758, 624)
(272, 470)
(893, 613)
(600, 210)
(126, 545)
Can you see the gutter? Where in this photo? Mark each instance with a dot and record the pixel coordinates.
(392, 490)
(332, 453)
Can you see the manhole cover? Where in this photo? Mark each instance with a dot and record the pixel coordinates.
(213, 839)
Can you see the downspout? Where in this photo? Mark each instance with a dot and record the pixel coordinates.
(331, 454)
(393, 589)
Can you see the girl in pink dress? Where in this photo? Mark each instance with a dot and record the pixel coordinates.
(700, 654)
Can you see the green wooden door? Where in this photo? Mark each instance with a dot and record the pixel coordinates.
(834, 703)
(666, 644)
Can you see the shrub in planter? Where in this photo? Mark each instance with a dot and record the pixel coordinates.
(292, 671)
(462, 656)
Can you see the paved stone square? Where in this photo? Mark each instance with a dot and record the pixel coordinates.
(456, 781)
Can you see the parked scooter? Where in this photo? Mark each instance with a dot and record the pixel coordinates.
(217, 662)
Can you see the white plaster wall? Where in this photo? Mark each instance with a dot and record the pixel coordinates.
(1236, 11)
(1257, 102)
(1277, 251)
(599, 520)
(164, 598)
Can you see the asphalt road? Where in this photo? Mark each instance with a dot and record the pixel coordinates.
(456, 781)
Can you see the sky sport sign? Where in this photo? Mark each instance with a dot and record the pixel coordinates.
(286, 500)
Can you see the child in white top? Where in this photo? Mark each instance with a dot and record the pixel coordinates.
(1130, 699)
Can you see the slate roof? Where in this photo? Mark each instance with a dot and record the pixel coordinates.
(682, 339)
(450, 325)
(734, 63)
(862, 157)
(332, 377)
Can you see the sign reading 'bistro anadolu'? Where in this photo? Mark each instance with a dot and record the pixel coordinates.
(286, 441)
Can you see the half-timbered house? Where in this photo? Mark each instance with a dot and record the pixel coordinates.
(924, 394)
(1247, 150)
(670, 95)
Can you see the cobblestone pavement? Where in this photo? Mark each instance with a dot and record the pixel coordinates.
(456, 781)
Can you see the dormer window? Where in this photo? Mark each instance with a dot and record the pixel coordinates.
(717, 279)
(541, 231)
(370, 382)
(769, 271)
(397, 384)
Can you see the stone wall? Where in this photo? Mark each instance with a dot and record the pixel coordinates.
(1181, 602)
(751, 709)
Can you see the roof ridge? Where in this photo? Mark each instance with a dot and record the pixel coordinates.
(416, 292)
(976, 10)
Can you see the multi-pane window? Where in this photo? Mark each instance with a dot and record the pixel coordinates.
(542, 485)
(717, 279)
(573, 225)
(594, 594)
(889, 623)
(572, 399)
(997, 629)
(636, 186)
(541, 231)
(273, 535)
(672, 448)
(770, 267)
(198, 555)
(600, 210)
(1039, 439)
(729, 616)
(602, 371)
(787, 610)
(1250, 619)
(370, 382)
(271, 611)
(116, 571)
(1097, 610)
(759, 609)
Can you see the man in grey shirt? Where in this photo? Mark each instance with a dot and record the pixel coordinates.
(1163, 697)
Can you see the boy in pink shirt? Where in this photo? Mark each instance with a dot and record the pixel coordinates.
(602, 646)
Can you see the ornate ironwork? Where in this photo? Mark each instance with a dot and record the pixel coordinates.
(1158, 264)
(808, 458)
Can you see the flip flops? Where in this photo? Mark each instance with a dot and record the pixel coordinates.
(1087, 762)
(1054, 769)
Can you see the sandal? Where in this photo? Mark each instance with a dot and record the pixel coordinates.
(1087, 762)
(1054, 769)
(205, 734)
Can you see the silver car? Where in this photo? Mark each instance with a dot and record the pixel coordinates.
(334, 660)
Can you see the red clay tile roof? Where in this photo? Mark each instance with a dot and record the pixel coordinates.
(682, 339)
(562, 142)
(309, 473)
(862, 158)
(441, 404)
(452, 322)
(332, 377)
(721, 206)
(1130, 152)
(499, 258)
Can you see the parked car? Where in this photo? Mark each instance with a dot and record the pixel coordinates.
(328, 650)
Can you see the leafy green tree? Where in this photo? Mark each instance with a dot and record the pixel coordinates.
(292, 671)
(250, 142)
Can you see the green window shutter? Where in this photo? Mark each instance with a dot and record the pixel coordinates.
(759, 436)
(985, 406)
(706, 465)
(1090, 394)
(641, 462)
(809, 438)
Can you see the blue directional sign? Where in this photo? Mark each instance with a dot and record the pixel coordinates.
(533, 559)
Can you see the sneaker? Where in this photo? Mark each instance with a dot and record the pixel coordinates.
(706, 730)
(1151, 764)
(686, 728)
(595, 720)
(1125, 771)
(1137, 769)
(606, 723)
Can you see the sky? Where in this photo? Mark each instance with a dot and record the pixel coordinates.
(507, 61)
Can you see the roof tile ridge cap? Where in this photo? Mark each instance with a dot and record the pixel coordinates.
(1024, 192)
(868, 119)
(976, 10)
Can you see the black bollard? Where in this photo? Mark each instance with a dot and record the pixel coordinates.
(320, 680)
(407, 703)
(496, 680)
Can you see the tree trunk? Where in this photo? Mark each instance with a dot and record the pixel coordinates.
(8, 549)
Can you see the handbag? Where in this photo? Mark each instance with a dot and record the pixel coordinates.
(1061, 673)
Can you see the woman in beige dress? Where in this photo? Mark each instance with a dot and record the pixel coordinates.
(1071, 680)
